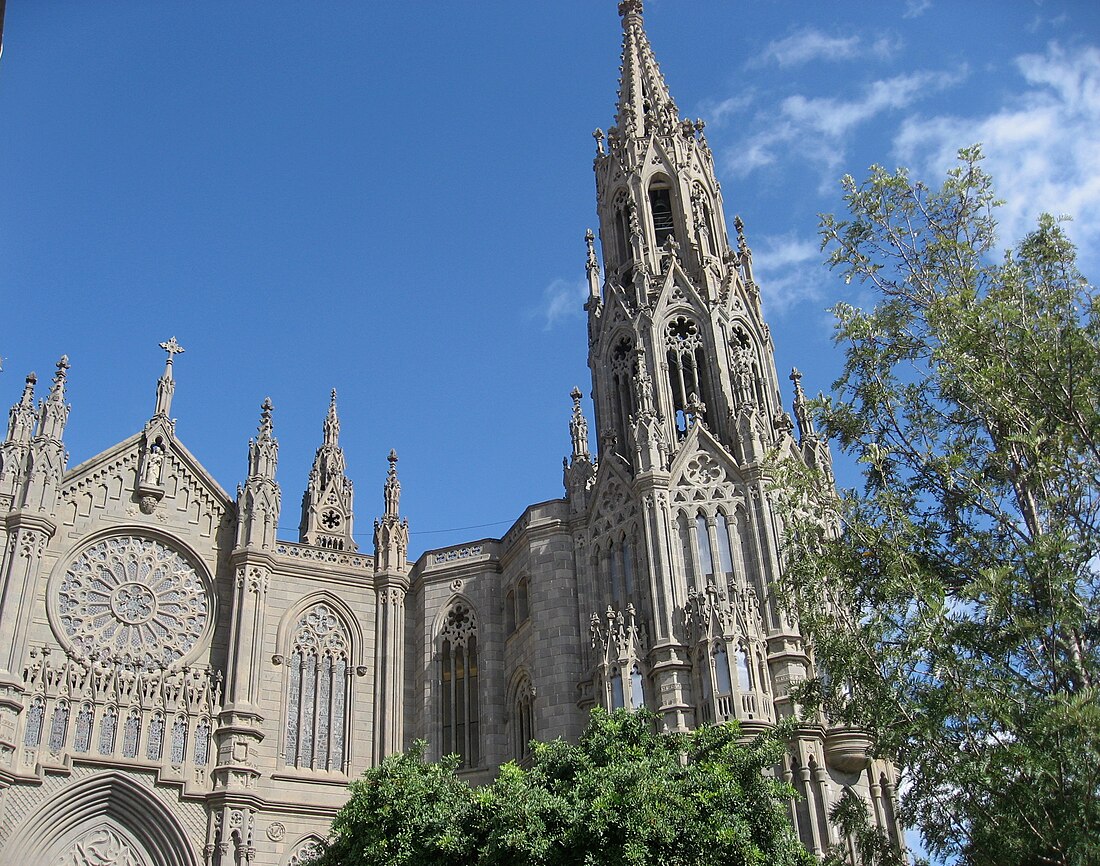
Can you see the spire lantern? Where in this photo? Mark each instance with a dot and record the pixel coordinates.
(391, 533)
(327, 513)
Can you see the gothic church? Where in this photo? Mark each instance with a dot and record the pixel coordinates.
(179, 686)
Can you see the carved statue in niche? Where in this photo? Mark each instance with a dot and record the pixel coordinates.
(153, 464)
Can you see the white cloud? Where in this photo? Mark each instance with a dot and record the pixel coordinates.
(819, 126)
(1043, 149)
(809, 44)
(718, 113)
(562, 300)
(916, 8)
(789, 270)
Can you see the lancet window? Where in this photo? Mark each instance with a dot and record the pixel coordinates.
(32, 736)
(523, 718)
(59, 727)
(317, 688)
(131, 730)
(660, 206)
(458, 672)
(154, 747)
(686, 371)
(82, 737)
(622, 391)
(108, 727)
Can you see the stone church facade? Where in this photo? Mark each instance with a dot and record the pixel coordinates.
(180, 686)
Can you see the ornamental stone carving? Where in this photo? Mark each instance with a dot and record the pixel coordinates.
(102, 847)
(131, 600)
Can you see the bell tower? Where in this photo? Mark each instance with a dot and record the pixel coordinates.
(682, 540)
(679, 305)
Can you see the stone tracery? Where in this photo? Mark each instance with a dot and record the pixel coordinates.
(132, 600)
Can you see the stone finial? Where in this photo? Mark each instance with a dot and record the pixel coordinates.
(166, 386)
(332, 422)
(802, 414)
(21, 416)
(578, 428)
(392, 490)
(630, 8)
(57, 389)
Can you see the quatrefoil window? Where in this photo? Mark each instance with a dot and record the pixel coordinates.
(131, 600)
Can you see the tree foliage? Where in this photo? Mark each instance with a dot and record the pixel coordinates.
(623, 794)
(952, 603)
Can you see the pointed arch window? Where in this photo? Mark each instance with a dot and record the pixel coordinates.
(637, 691)
(32, 736)
(723, 681)
(622, 391)
(684, 530)
(660, 206)
(154, 747)
(702, 540)
(317, 683)
(744, 677)
(458, 674)
(523, 718)
(59, 726)
(131, 730)
(82, 738)
(618, 700)
(108, 726)
(686, 370)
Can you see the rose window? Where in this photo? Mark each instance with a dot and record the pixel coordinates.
(132, 600)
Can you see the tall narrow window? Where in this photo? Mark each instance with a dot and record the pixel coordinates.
(686, 363)
(628, 567)
(59, 727)
(522, 611)
(617, 701)
(154, 746)
(683, 526)
(510, 612)
(131, 730)
(202, 743)
(660, 203)
(523, 718)
(616, 575)
(33, 734)
(179, 741)
(744, 679)
(702, 539)
(316, 688)
(637, 692)
(725, 551)
(107, 727)
(459, 685)
(622, 236)
(722, 671)
(82, 738)
(703, 668)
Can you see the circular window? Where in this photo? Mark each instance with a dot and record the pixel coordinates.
(132, 600)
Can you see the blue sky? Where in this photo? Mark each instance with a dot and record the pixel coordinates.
(390, 199)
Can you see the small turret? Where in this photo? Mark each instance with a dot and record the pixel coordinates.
(391, 533)
(47, 458)
(259, 500)
(16, 446)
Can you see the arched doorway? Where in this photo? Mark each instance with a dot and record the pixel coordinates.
(105, 820)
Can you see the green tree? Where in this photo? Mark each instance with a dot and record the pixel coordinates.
(952, 603)
(622, 795)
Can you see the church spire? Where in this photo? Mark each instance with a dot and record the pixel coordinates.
(53, 412)
(645, 104)
(327, 502)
